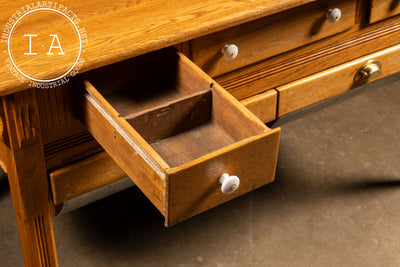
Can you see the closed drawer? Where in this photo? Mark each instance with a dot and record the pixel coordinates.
(263, 105)
(174, 131)
(270, 36)
(337, 80)
(382, 9)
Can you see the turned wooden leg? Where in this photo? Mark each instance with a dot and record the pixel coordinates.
(27, 177)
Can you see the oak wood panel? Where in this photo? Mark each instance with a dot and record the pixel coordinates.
(4, 156)
(172, 117)
(192, 144)
(4, 145)
(112, 38)
(310, 59)
(332, 82)
(382, 9)
(232, 117)
(132, 153)
(263, 105)
(74, 143)
(65, 139)
(194, 187)
(28, 179)
(270, 36)
(84, 176)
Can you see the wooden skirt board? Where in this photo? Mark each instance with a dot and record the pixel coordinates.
(334, 81)
(192, 136)
(267, 37)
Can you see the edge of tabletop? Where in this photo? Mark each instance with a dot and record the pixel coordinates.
(165, 32)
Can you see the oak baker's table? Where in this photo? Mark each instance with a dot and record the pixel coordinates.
(174, 94)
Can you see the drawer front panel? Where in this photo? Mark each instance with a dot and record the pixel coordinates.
(382, 9)
(195, 188)
(335, 81)
(270, 36)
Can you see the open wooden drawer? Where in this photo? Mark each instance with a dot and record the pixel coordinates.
(174, 131)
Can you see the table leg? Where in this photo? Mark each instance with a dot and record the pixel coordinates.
(28, 179)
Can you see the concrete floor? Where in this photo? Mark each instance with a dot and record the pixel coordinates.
(335, 202)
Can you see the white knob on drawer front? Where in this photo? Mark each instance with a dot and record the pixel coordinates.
(230, 51)
(334, 15)
(229, 184)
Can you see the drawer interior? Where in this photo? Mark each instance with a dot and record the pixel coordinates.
(178, 114)
(174, 132)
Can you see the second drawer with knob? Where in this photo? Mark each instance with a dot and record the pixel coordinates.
(184, 141)
(228, 50)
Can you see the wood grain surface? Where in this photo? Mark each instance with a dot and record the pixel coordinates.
(263, 105)
(382, 9)
(332, 82)
(28, 181)
(311, 59)
(117, 30)
(84, 176)
(270, 36)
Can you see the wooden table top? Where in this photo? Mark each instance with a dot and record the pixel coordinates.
(117, 30)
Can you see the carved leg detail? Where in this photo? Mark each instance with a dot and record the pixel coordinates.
(28, 179)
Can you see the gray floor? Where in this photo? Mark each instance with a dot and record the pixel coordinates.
(335, 202)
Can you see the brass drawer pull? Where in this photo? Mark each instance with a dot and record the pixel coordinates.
(333, 15)
(370, 70)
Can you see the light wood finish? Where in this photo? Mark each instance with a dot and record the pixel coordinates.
(310, 59)
(136, 158)
(382, 9)
(194, 187)
(191, 144)
(111, 37)
(270, 36)
(65, 139)
(263, 105)
(180, 115)
(28, 180)
(4, 146)
(332, 82)
(158, 24)
(221, 137)
(84, 176)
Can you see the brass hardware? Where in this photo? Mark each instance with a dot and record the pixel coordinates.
(370, 70)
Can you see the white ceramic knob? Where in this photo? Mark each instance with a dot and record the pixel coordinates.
(334, 15)
(230, 51)
(229, 184)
